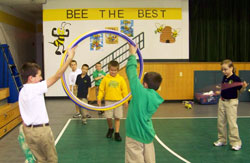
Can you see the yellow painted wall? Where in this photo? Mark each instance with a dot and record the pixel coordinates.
(174, 86)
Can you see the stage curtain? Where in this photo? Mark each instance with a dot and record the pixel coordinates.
(219, 29)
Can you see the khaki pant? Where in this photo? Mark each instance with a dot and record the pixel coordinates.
(137, 152)
(113, 113)
(227, 114)
(75, 94)
(84, 112)
(41, 142)
(75, 90)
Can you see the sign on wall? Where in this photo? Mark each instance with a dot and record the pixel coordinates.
(165, 32)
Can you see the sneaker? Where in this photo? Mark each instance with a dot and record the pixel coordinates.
(77, 115)
(118, 137)
(110, 133)
(100, 112)
(219, 144)
(236, 147)
(84, 122)
(88, 116)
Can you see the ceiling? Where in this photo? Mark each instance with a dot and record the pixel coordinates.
(31, 8)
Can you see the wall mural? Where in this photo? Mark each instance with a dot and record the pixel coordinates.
(167, 33)
(60, 32)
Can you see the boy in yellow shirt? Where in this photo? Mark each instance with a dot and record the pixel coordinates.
(113, 88)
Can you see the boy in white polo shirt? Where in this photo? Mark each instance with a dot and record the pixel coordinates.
(72, 83)
(37, 131)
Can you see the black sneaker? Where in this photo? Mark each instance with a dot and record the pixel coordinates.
(118, 137)
(110, 133)
(84, 122)
(100, 112)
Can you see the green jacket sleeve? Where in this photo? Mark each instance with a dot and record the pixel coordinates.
(131, 70)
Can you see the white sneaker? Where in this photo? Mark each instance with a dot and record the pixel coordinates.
(77, 115)
(219, 144)
(236, 147)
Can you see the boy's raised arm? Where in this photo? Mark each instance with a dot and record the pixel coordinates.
(61, 70)
(131, 68)
(132, 49)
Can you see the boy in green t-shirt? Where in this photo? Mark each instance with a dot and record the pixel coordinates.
(140, 133)
(98, 75)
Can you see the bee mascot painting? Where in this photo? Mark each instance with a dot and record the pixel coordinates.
(60, 33)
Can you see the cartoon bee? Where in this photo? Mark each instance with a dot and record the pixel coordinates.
(159, 28)
(61, 33)
(175, 32)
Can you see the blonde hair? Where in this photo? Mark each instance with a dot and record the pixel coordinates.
(229, 63)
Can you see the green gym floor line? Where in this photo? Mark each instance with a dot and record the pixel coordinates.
(191, 138)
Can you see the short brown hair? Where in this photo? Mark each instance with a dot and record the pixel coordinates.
(85, 65)
(113, 64)
(29, 69)
(98, 63)
(73, 61)
(153, 80)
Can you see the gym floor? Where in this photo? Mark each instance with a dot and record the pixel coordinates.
(190, 133)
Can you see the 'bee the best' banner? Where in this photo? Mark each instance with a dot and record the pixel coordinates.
(111, 13)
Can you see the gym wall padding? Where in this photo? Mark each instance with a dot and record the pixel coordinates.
(205, 81)
(245, 76)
